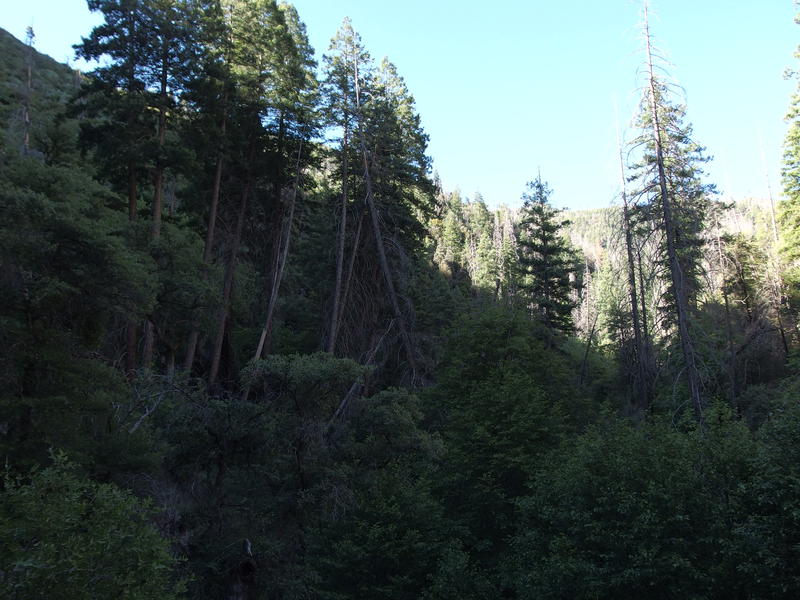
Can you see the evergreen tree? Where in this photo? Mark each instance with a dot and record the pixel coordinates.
(673, 204)
(546, 259)
(65, 536)
(690, 199)
(400, 166)
(789, 209)
(506, 249)
(117, 93)
(515, 473)
(397, 192)
(346, 56)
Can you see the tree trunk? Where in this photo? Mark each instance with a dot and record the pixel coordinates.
(774, 273)
(132, 191)
(208, 247)
(585, 360)
(227, 290)
(728, 326)
(642, 300)
(337, 290)
(131, 337)
(158, 196)
(676, 273)
(350, 269)
(158, 179)
(26, 109)
(642, 387)
(376, 229)
(149, 344)
(212, 214)
(277, 274)
(131, 342)
(283, 254)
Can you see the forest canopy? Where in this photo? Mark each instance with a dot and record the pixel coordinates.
(251, 348)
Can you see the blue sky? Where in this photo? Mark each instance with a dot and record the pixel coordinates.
(507, 88)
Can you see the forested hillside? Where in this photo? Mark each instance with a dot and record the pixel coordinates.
(251, 348)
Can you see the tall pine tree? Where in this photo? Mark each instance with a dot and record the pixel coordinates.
(546, 259)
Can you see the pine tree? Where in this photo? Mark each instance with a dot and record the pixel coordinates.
(346, 56)
(117, 91)
(546, 259)
(789, 209)
(673, 203)
(263, 60)
(400, 166)
(390, 172)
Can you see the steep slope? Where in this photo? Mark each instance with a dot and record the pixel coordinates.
(52, 83)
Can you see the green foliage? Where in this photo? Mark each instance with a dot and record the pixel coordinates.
(629, 512)
(184, 284)
(457, 577)
(380, 163)
(70, 275)
(503, 400)
(337, 503)
(67, 537)
(690, 199)
(386, 539)
(770, 522)
(505, 474)
(51, 86)
(790, 207)
(68, 239)
(546, 259)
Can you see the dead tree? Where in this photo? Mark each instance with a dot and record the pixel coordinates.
(337, 291)
(677, 275)
(642, 354)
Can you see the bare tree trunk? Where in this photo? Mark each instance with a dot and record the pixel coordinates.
(350, 270)
(26, 109)
(158, 195)
(158, 178)
(774, 275)
(131, 334)
(497, 246)
(586, 352)
(642, 387)
(131, 343)
(131, 337)
(337, 291)
(132, 191)
(277, 273)
(676, 273)
(777, 301)
(212, 215)
(191, 346)
(376, 228)
(149, 343)
(774, 221)
(728, 326)
(283, 254)
(642, 299)
(227, 290)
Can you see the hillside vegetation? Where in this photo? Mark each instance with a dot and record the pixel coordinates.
(250, 348)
